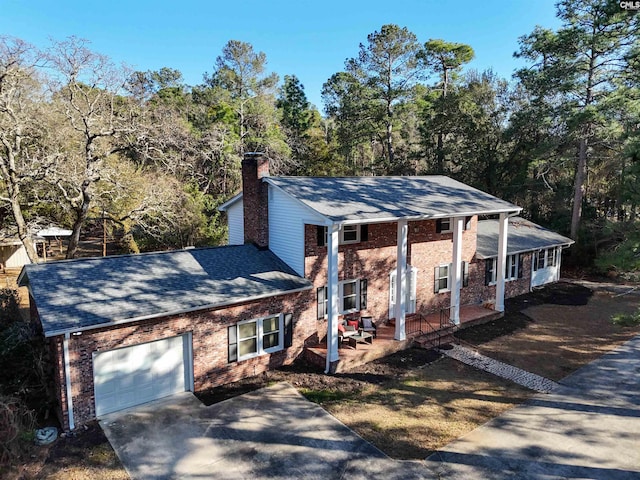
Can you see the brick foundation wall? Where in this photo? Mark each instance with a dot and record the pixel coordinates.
(210, 340)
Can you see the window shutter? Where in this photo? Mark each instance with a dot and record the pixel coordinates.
(321, 296)
(520, 265)
(363, 294)
(233, 343)
(320, 235)
(465, 274)
(288, 330)
(438, 228)
(436, 280)
(364, 233)
(467, 223)
(488, 264)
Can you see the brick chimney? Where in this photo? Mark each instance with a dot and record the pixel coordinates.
(255, 199)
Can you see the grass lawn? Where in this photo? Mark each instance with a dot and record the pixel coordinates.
(410, 417)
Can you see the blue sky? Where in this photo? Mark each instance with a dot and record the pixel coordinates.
(308, 39)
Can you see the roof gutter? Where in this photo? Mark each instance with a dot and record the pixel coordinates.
(563, 245)
(413, 218)
(67, 331)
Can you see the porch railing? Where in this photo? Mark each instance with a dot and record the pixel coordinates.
(417, 325)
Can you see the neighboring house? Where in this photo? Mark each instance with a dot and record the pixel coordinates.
(12, 251)
(125, 330)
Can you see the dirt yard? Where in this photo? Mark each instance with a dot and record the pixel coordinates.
(412, 402)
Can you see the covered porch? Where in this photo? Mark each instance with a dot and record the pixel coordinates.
(420, 329)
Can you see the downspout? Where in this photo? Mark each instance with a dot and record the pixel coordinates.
(67, 376)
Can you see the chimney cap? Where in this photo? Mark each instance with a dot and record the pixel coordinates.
(254, 154)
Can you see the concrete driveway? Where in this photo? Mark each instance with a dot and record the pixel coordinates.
(271, 433)
(588, 429)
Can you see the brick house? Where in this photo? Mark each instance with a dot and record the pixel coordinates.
(304, 253)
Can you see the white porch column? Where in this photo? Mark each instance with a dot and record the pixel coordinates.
(456, 270)
(401, 280)
(332, 293)
(502, 261)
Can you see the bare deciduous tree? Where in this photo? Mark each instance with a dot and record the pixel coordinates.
(87, 91)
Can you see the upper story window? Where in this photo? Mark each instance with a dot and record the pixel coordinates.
(445, 225)
(348, 234)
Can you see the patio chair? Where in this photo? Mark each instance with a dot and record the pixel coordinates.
(345, 331)
(368, 325)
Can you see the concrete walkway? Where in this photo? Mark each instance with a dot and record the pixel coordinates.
(588, 428)
(500, 369)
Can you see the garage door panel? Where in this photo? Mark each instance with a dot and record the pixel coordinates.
(138, 374)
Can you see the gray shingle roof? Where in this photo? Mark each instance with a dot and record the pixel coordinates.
(377, 198)
(522, 236)
(87, 293)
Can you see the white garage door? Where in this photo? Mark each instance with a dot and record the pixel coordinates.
(141, 373)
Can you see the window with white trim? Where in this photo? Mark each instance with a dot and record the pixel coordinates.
(490, 271)
(256, 337)
(441, 278)
(350, 234)
(322, 296)
(539, 259)
(512, 267)
(349, 294)
(444, 225)
(545, 258)
(352, 297)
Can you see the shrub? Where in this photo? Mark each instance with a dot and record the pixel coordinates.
(24, 369)
(16, 429)
(626, 319)
(9, 306)
(623, 255)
